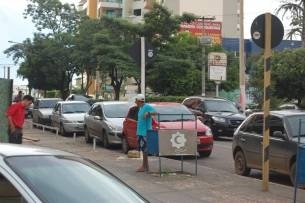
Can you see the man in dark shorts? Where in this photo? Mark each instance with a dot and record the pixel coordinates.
(15, 115)
(144, 123)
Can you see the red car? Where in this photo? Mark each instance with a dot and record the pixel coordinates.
(170, 117)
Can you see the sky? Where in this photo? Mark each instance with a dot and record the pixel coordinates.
(15, 28)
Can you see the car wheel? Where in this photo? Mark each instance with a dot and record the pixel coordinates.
(62, 130)
(125, 146)
(240, 164)
(88, 138)
(105, 140)
(205, 154)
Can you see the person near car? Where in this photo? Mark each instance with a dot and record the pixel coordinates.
(15, 115)
(143, 125)
(18, 97)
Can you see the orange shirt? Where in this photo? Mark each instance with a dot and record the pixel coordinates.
(16, 112)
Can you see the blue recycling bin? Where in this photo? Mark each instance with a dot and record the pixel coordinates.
(301, 166)
(153, 142)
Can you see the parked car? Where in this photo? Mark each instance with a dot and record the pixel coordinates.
(42, 110)
(284, 132)
(29, 112)
(35, 175)
(171, 116)
(105, 121)
(68, 116)
(219, 114)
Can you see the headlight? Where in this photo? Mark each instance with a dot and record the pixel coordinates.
(219, 119)
(208, 132)
(114, 127)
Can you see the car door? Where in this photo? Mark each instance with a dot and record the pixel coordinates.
(279, 146)
(55, 117)
(250, 139)
(130, 126)
(89, 117)
(35, 111)
(97, 122)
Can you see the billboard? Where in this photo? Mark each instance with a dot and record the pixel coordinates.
(204, 28)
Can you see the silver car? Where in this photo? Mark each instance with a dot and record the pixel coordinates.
(31, 174)
(68, 116)
(42, 110)
(105, 121)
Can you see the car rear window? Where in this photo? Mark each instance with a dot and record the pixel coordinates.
(58, 179)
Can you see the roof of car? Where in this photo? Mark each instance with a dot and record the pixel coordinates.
(72, 102)
(282, 113)
(111, 102)
(205, 98)
(165, 104)
(41, 99)
(27, 150)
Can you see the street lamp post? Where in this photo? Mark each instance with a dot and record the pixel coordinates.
(204, 41)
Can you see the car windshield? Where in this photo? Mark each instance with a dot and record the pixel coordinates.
(47, 103)
(170, 113)
(58, 179)
(294, 125)
(75, 108)
(116, 110)
(220, 106)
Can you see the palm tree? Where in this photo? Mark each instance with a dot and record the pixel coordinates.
(296, 10)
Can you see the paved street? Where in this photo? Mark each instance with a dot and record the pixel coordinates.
(210, 185)
(222, 159)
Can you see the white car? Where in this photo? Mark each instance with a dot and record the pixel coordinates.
(68, 116)
(31, 174)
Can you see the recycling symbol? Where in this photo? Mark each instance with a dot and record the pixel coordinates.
(178, 140)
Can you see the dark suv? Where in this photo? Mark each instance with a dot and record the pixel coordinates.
(219, 114)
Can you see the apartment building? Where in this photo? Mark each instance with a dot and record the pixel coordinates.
(223, 11)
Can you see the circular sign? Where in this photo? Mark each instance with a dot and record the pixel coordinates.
(258, 31)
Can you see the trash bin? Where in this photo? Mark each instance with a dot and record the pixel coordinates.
(301, 166)
(152, 142)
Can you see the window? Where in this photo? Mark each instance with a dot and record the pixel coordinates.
(137, 12)
(276, 124)
(110, 13)
(254, 125)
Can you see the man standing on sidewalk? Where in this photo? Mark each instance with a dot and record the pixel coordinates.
(15, 114)
(144, 123)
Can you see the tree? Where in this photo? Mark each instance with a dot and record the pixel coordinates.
(288, 74)
(113, 43)
(296, 10)
(60, 22)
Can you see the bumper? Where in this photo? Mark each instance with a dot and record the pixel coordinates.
(116, 137)
(73, 127)
(223, 130)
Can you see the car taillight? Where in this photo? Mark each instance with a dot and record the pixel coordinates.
(207, 133)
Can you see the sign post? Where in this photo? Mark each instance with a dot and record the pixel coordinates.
(217, 68)
(267, 32)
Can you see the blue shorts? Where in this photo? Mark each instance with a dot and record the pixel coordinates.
(142, 143)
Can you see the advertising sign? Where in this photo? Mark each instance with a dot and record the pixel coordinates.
(204, 28)
(177, 142)
(217, 66)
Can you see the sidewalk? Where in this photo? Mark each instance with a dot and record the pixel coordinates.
(209, 185)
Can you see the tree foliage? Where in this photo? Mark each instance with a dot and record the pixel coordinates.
(295, 9)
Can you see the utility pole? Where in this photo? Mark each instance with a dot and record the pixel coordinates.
(242, 86)
(204, 41)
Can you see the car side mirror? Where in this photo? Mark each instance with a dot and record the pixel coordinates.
(279, 134)
(97, 118)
